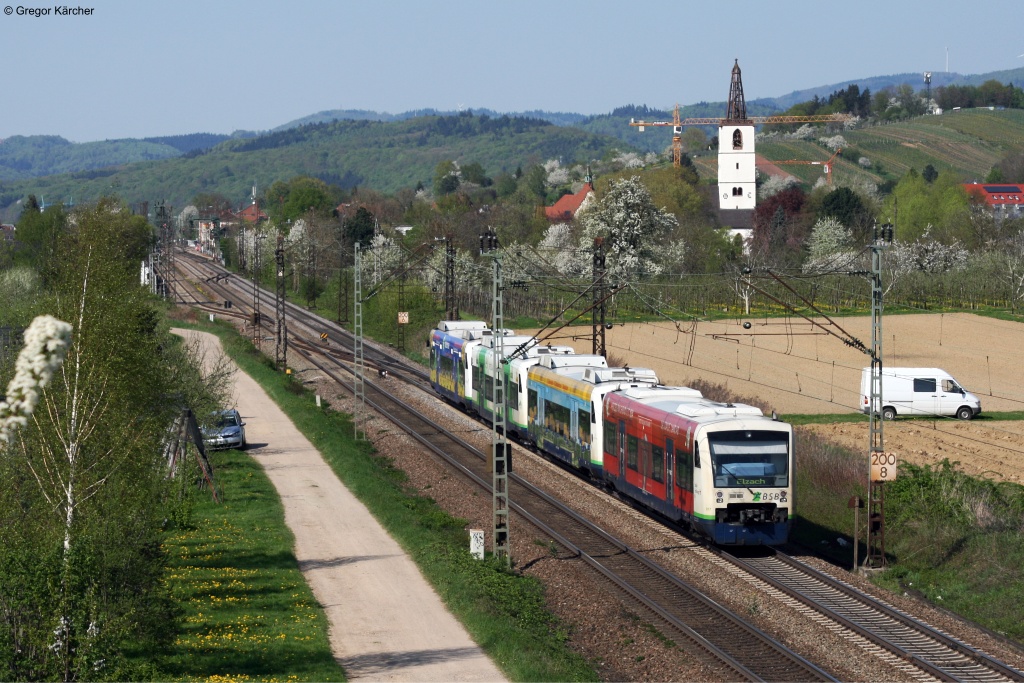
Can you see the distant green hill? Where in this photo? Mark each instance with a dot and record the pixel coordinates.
(385, 156)
(42, 155)
(967, 143)
(27, 157)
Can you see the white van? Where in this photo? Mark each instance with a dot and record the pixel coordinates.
(919, 391)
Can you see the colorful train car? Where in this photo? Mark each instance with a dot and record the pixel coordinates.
(565, 399)
(448, 343)
(527, 354)
(723, 468)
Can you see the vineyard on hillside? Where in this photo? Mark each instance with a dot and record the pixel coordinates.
(967, 143)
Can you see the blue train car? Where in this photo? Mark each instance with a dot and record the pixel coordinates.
(449, 342)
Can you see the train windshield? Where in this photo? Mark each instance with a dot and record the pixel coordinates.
(749, 458)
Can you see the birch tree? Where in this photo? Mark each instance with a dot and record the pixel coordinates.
(80, 512)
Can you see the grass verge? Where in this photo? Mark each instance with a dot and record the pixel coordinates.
(505, 613)
(248, 613)
(951, 539)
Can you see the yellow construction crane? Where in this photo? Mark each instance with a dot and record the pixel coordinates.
(737, 114)
(826, 164)
(677, 126)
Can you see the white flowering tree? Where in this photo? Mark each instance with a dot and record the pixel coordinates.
(775, 184)
(834, 142)
(829, 247)
(46, 343)
(81, 504)
(924, 254)
(633, 228)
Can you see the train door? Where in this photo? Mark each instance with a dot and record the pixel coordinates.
(645, 466)
(670, 485)
(622, 449)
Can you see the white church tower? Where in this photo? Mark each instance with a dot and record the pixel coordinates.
(737, 181)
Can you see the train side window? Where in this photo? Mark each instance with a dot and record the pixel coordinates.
(583, 426)
(657, 463)
(631, 452)
(609, 437)
(531, 404)
(684, 476)
(696, 456)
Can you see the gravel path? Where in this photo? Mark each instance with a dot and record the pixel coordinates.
(386, 621)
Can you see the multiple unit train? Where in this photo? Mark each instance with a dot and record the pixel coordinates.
(724, 469)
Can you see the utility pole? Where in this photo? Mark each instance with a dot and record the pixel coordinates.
(451, 306)
(598, 287)
(359, 366)
(242, 265)
(879, 468)
(342, 280)
(501, 449)
(163, 239)
(281, 352)
(256, 266)
(403, 315)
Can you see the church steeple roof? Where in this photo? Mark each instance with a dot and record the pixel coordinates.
(737, 106)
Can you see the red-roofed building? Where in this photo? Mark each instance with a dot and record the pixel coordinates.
(252, 214)
(7, 231)
(998, 197)
(566, 208)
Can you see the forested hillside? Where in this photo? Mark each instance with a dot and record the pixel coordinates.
(38, 155)
(384, 156)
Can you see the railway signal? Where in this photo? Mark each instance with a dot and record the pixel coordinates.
(501, 449)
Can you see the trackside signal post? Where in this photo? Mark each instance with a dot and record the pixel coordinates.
(281, 350)
(880, 469)
(500, 447)
(599, 288)
(359, 364)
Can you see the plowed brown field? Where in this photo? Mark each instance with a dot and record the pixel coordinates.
(797, 367)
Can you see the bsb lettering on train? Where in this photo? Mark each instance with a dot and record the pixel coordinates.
(670, 449)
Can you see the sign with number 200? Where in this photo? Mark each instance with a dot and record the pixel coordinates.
(883, 466)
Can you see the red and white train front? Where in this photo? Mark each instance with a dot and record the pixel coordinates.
(724, 468)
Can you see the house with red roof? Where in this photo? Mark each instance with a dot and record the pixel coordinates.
(252, 214)
(1002, 198)
(566, 208)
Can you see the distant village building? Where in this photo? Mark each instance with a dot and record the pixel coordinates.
(7, 232)
(566, 208)
(252, 214)
(1000, 199)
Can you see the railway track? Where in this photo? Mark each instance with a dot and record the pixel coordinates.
(909, 639)
(667, 600)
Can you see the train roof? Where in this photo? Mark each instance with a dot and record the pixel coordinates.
(458, 325)
(573, 360)
(599, 375)
(513, 341)
(707, 408)
(471, 334)
(687, 403)
(663, 393)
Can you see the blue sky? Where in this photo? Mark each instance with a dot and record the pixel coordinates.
(136, 68)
